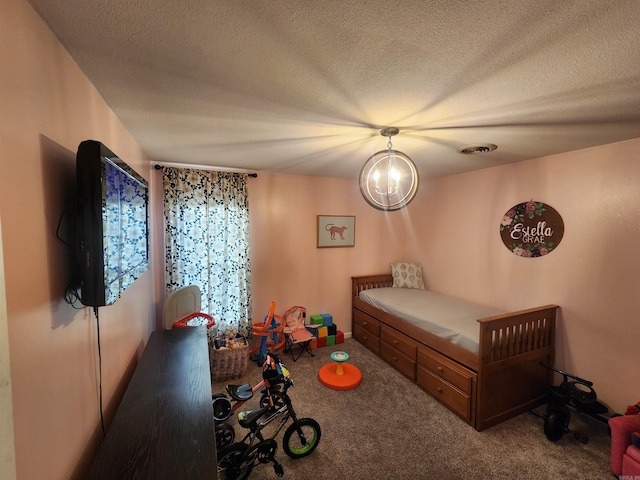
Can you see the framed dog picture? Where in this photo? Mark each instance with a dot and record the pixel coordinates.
(336, 231)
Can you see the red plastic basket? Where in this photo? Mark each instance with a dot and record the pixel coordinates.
(189, 321)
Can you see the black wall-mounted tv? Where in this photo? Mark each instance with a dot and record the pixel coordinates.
(112, 224)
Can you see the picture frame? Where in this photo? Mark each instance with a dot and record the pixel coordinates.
(336, 231)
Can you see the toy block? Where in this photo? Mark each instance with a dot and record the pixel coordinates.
(331, 340)
(331, 330)
(326, 319)
(321, 342)
(317, 320)
(339, 338)
(314, 343)
(323, 332)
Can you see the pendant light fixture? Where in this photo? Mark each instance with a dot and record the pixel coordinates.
(389, 178)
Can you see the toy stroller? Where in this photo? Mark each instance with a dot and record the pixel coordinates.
(579, 395)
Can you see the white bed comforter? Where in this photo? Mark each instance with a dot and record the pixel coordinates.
(447, 317)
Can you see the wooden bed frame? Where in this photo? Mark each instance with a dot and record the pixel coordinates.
(501, 381)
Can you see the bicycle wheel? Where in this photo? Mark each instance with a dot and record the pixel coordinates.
(225, 435)
(276, 397)
(222, 407)
(555, 425)
(300, 445)
(229, 462)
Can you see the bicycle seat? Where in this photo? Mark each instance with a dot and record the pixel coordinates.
(248, 418)
(240, 393)
(582, 393)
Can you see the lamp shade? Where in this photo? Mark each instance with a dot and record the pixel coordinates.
(388, 180)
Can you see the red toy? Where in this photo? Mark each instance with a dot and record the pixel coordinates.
(633, 409)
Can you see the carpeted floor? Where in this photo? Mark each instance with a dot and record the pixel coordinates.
(388, 428)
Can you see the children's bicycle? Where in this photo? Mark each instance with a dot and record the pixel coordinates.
(269, 387)
(301, 437)
(577, 394)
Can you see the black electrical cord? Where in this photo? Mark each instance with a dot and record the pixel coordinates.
(95, 312)
(62, 215)
(71, 295)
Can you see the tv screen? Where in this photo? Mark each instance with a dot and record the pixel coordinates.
(113, 246)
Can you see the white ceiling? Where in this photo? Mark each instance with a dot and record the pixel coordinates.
(303, 86)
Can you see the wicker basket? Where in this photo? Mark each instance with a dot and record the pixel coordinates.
(228, 363)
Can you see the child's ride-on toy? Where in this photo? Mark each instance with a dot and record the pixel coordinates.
(577, 394)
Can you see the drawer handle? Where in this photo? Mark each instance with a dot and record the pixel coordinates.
(365, 323)
(395, 342)
(365, 337)
(440, 369)
(438, 389)
(395, 359)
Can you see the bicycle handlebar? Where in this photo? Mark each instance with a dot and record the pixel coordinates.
(273, 362)
(566, 374)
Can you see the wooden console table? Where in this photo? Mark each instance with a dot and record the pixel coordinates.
(163, 428)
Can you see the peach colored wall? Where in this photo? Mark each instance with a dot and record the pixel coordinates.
(288, 268)
(48, 107)
(593, 274)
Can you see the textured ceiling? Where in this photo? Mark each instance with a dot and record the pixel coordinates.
(303, 87)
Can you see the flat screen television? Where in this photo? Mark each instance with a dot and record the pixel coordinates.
(112, 224)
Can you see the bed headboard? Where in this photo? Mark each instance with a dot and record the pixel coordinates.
(359, 284)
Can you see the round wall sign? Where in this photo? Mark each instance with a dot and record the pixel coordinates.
(531, 229)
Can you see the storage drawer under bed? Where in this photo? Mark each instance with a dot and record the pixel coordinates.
(366, 322)
(453, 398)
(447, 369)
(399, 341)
(398, 360)
(365, 337)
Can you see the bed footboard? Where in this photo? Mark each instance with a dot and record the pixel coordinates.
(510, 378)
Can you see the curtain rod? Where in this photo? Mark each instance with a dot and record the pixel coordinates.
(160, 166)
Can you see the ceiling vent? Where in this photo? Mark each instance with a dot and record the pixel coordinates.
(473, 149)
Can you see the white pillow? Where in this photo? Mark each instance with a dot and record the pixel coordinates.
(407, 275)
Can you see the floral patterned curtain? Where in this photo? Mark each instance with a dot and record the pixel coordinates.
(207, 242)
